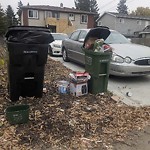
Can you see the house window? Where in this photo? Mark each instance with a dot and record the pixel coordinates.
(56, 15)
(33, 14)
(121, 20)
(147, 23)
(71, 17)
(84, 18)
(139, 22)
(99, 23)
(48, 14)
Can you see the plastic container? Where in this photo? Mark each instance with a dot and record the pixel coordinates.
(63, 87)
(98, 84)
(27, 48)
(97, 63)
(17, 114)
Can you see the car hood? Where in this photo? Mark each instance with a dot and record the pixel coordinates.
(57, 42)
(134, 51)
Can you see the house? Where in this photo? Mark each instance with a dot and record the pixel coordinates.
(58, 19)
(125, 24)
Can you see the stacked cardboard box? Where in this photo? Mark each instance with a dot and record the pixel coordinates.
(78, 83)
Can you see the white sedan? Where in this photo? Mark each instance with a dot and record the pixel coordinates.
(55, 46)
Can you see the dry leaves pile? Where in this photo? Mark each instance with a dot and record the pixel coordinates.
(65, 122)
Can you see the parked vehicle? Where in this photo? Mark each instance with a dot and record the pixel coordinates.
(128, 59)
(55, 46)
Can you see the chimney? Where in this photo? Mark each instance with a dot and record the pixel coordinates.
(61, 5)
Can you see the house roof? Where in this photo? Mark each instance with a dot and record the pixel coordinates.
(54, 8)
(117, 15)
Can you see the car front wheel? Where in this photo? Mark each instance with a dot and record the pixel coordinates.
(65, 55)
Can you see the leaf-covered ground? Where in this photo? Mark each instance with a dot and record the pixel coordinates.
(56, 121)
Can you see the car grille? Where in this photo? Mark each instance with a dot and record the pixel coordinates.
(143, 62)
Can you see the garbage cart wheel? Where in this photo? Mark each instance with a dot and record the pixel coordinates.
(8, 87)
(50, 52)
(13, 95)
(65, 55)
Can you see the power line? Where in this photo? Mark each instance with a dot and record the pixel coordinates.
(107, 4)
(130, 1)
(114, 5)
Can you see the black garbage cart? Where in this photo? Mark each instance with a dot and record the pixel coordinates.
(97, 63)
(27, 55)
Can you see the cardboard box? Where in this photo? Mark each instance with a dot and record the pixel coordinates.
(79, 77)
(78, 89)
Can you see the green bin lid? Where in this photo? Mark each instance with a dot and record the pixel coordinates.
(99, 32)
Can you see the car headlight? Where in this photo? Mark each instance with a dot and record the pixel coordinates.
(128, 60)
(118, 59)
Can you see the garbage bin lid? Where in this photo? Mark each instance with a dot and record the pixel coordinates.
(29, 34)
(25, 28)
(99, 32)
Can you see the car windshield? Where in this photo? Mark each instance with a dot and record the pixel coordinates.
(116, 38)
(59, 36)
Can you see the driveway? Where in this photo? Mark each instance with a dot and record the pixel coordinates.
(133, 91)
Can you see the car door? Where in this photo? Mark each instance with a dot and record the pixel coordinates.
(81, 54)
(73, 45)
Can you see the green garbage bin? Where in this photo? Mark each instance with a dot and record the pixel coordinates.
(97, 65)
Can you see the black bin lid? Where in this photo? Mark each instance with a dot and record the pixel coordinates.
(99, 32)
(29, 34)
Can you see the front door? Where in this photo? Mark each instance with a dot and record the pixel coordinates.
(52, 28)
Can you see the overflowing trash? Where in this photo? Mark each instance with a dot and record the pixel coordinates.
(95, 40)
(97, 45)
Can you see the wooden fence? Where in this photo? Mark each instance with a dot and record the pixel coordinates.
(142, 41)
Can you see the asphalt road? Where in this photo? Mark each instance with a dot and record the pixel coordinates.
(133, 91)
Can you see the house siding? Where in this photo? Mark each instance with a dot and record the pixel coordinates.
(37, 22)
(109, 21)
(62, 24)
(76, 23)
(129, 26)
(25, 17)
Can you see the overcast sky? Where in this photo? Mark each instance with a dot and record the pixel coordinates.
(104, 5)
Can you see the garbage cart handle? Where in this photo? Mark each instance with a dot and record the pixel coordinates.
(102, 75)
